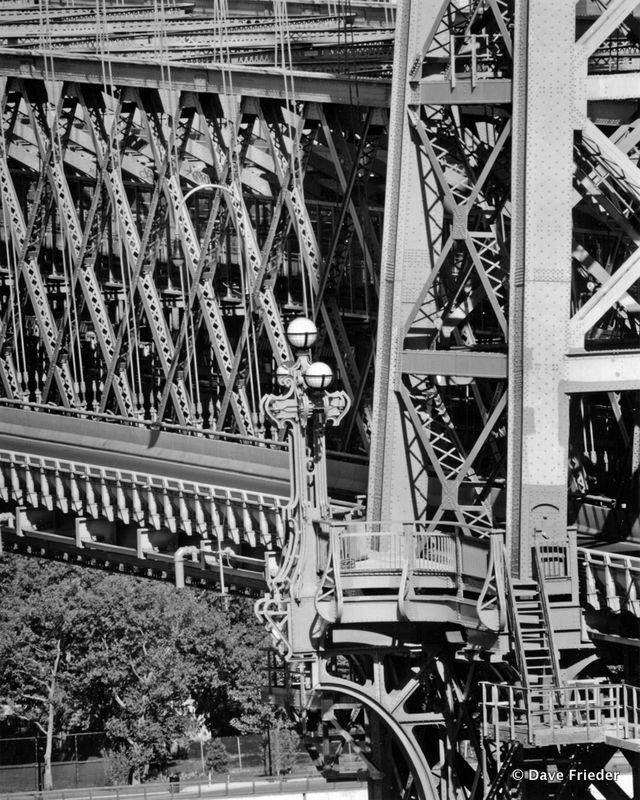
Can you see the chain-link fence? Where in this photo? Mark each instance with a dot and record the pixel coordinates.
(79, 760)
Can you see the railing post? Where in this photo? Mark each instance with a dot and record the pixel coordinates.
(474, 61)
(458, 552)
(512, 722)
(592, 589)
(613, 601)
(598, 699)
(452, 54)
(483, 755)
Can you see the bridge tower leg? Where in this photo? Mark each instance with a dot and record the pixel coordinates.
(487, 322)
(540, 287)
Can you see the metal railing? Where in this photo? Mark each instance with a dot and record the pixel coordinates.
(164, 791)
(516, 712)
(477, 56)
(408, 561)
(152, 425)
(553, 560)
(370, 548)
(615, 55)
(544, 605)
(615, 576)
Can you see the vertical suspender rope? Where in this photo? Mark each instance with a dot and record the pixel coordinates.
(191, 358)
(56, 152)
(13, 263)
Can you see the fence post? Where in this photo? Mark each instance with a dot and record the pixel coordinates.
(239, 752)
(75, 753)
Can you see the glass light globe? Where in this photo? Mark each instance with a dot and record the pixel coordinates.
(318, 375)
(302, 333)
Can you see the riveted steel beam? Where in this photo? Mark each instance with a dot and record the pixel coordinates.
(250, 82)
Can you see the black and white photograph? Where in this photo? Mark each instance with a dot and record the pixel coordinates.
(320, 399)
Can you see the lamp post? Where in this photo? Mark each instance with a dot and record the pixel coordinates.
(305, 409)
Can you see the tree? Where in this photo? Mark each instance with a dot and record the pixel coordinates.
(38, 644)
(136, 678)
(217, 759)
(225, 653)
(281, 746)
(87, 650)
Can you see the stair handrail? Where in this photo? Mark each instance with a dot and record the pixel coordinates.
(544, 604)
(406, 581)
(514, 624)
(499, 782)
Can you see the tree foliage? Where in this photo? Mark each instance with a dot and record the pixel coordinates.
(217, 759)
(86, 650)
(281, 746)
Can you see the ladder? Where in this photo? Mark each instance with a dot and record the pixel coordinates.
(538, 657)
(530, 623)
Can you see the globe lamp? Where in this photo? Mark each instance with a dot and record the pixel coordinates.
(318, 375)
(302, 333)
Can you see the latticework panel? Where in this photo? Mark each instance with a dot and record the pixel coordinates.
(155, 244)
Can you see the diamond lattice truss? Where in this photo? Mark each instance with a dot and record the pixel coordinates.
(160, 227)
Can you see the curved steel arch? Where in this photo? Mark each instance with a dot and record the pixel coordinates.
(416, 759)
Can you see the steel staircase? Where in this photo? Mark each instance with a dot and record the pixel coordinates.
(539, 656)
(504, 785)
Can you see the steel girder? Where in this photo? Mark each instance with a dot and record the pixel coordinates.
(456, 293)
(338, 41)
(155, 308)
(440, 439)
(405, 718)
(511, 244)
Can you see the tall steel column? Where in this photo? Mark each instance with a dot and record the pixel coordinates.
(544, 121)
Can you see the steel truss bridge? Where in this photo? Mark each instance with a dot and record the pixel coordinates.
(450, 190)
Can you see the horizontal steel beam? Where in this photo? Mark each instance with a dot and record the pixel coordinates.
(601, 372)
(485, 92)
(611, 87)
(139, 449)
(455, 362)
(247, 81)
(240, 574)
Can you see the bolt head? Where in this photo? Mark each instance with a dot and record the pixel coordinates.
(318, 375)
(302, 333)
